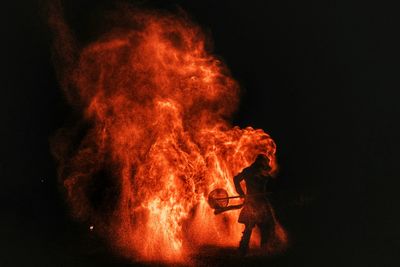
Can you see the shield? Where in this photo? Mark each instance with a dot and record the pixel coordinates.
(218, 198)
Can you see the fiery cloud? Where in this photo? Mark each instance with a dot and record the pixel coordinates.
(153, 136)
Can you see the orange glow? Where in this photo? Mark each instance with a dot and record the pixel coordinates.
(157, 105)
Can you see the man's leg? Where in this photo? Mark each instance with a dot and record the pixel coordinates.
(267, 234)
(244, 242)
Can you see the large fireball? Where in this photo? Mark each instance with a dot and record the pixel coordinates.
(153, 136)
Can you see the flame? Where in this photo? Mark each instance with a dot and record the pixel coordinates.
(156, 136)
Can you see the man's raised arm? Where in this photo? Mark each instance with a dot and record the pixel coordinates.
(237, 179)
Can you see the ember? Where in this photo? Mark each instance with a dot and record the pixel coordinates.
(155, 104)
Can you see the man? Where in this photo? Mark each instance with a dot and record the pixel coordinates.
(257, 210)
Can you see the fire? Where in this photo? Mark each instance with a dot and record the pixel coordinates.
(155, 107)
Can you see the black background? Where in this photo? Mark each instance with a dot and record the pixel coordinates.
(320, 76)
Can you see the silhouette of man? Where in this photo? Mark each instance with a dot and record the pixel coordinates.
(257, 210)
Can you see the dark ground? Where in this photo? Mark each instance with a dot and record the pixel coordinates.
(320, 76)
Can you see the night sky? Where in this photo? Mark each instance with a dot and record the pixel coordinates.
(321, 77)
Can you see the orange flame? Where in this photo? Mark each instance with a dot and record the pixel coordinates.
(155, 105)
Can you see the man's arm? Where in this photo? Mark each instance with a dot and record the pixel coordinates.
(237, 179)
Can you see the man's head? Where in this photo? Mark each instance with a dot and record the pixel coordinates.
(262, 163)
